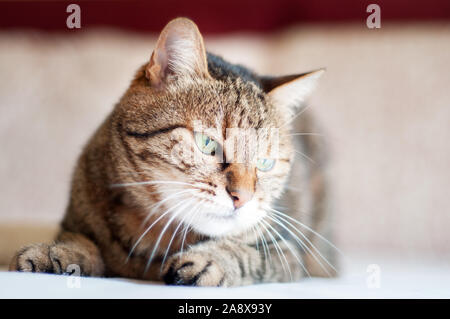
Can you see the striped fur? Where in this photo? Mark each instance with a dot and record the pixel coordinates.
(140, 207)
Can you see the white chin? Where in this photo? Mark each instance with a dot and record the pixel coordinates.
(230, 223)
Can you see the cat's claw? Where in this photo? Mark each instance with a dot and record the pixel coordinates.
(194, 269)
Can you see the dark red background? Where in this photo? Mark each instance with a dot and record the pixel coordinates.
(212, 16)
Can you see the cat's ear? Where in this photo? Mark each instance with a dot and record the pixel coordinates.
(290, 91)
(179, 52)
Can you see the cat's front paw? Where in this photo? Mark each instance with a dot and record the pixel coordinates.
(194, 269)
(41, 258)
(33, 258)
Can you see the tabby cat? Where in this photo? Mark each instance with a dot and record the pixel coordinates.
(158, 194)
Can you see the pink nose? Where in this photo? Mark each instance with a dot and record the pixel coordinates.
(240, 197)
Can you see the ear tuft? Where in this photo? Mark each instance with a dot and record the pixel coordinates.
(179, 51)
(291, 91)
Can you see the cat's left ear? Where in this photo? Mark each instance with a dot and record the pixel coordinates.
(179, 52)
(290, 91)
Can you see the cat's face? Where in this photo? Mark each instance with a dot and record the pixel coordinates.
(210, 154)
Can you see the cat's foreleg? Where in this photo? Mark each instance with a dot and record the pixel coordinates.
(229, 263)
(70, 253)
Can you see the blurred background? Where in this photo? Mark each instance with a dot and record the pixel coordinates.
(383, 105)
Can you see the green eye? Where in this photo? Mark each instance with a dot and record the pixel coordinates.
(206, 144)
(265, 164)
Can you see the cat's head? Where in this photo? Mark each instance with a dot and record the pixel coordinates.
(210, 152)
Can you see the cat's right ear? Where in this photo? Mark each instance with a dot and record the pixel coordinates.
(179, 52)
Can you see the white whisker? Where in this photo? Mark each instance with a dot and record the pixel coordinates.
(150, 183)
(150, 227)
(159, 203)
(302, 134)
(279, 251)
(176, 230)
(301, 243)
(295, 116)
(264, 244)
(289, 247)
(155, 247)
(305, 156)
(305, 226)
(256, 237)
(186, 228)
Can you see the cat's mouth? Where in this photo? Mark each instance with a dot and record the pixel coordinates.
(217, 222)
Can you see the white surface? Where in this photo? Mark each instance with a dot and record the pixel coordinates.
(397, 280)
